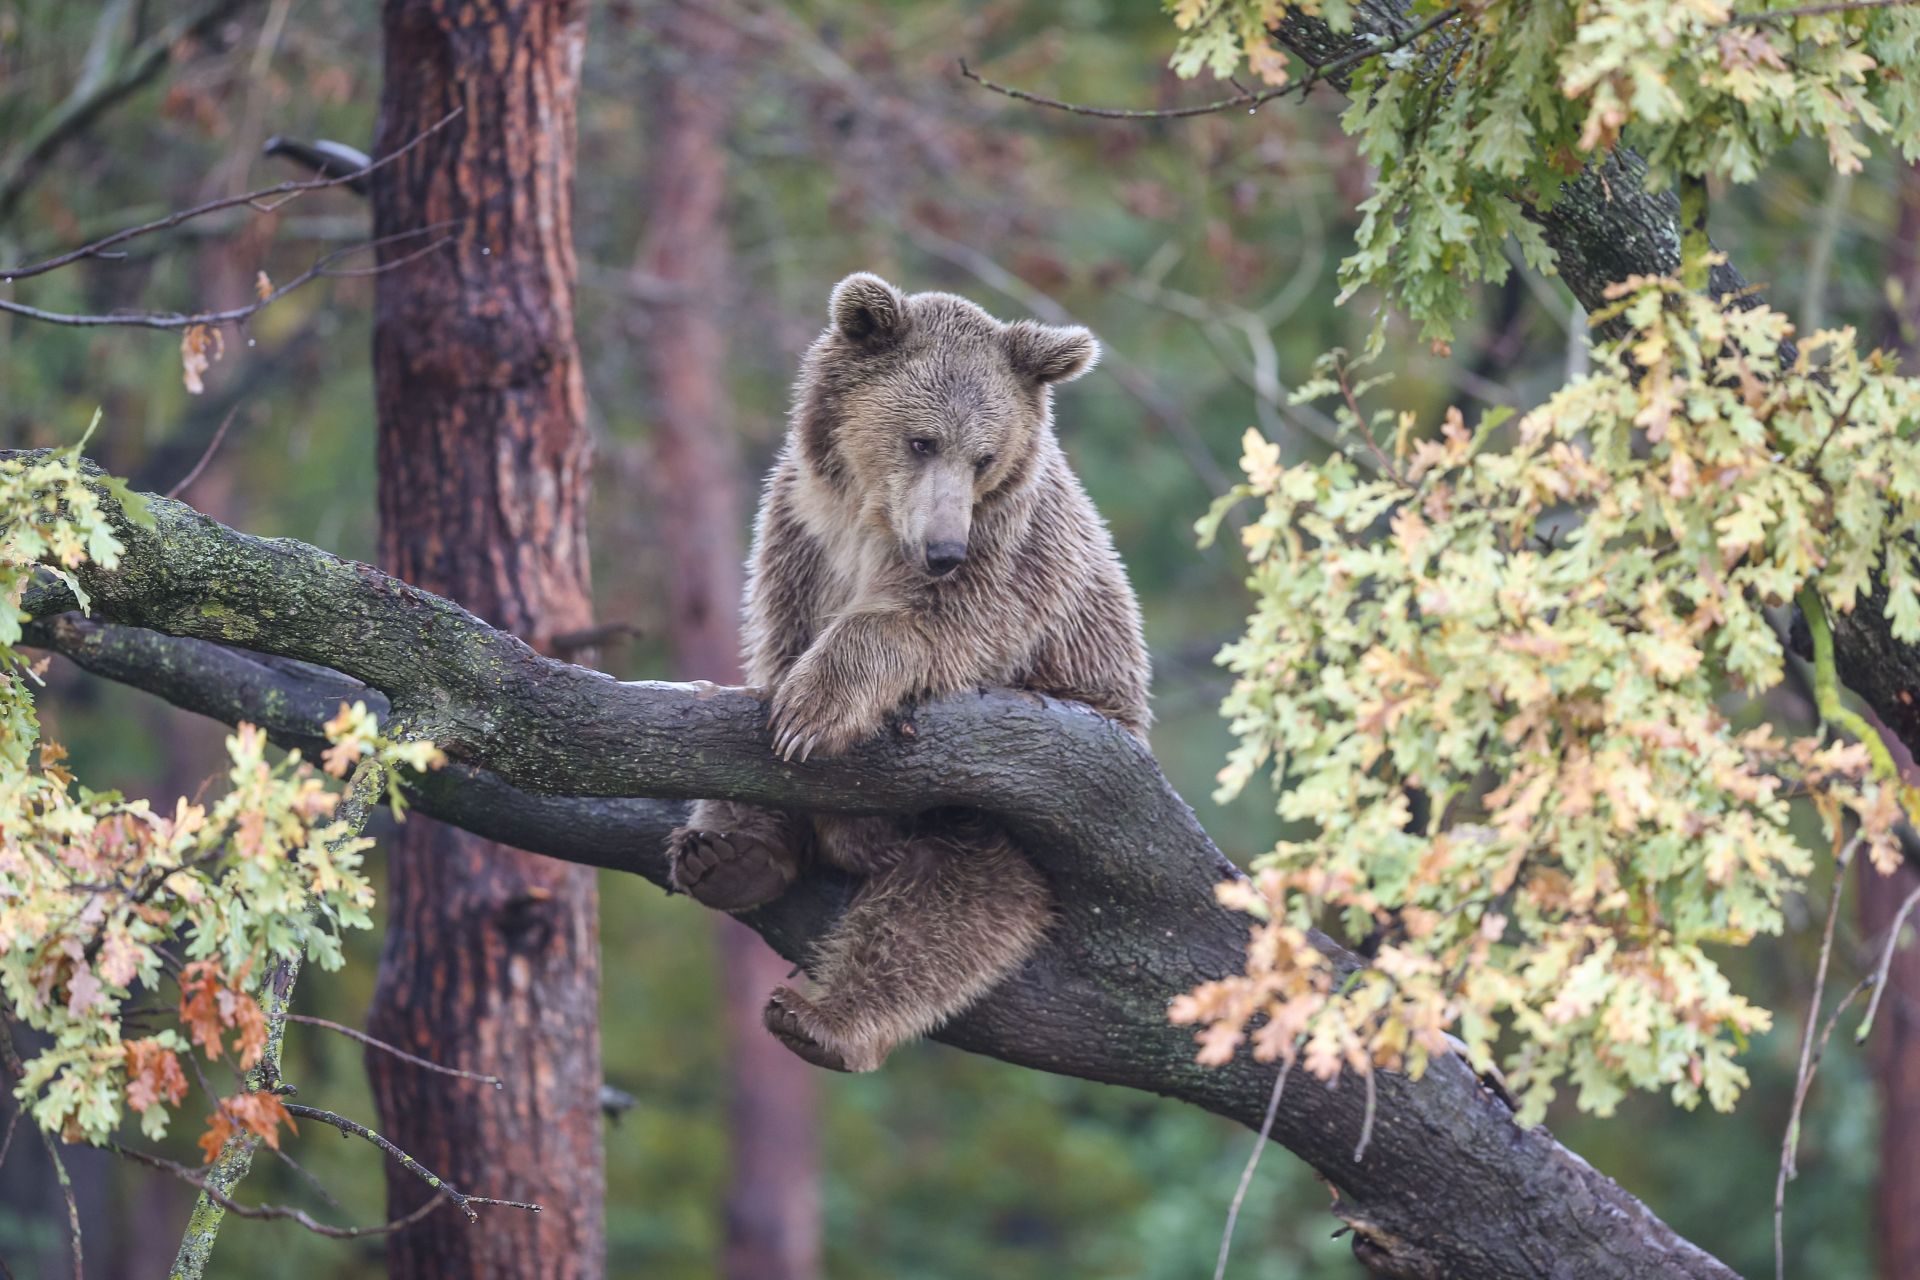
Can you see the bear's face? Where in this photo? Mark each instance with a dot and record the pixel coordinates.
(929, 407)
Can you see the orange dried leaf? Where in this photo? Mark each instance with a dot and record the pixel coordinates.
(258, 1113)
(340, 758)
(200, 346)
(200, 986)
(153, 1075)
(219, 1129)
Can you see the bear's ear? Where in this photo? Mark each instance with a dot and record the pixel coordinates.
(868, 311)
(1047, 353)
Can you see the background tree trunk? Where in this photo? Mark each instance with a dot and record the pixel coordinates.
(772, 1212)
(1894, 1049)
(492, 955)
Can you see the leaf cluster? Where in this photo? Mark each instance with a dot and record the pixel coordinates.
(104, 900)
(1493, 677)
(1517, 97)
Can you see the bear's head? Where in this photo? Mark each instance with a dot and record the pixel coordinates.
(921, 411)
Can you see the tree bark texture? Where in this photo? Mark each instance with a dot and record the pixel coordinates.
(1894, 1050)
(568, 761)
(771, 1213)
(492, 954)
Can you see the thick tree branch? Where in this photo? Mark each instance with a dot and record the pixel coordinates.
(554, 758)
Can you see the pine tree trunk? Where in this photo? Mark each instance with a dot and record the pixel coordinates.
(1894, 1050)
(492, 955)
(772, 1210)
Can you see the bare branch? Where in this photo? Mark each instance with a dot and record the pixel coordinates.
(206, 455)
(322, 268)
(1246, 1174)
(395, 1050)
(261, 1212)
(1251, 101)
(10, 1057)
(358, 1130)
(13, 1123)
(1809, 1063)
(289, 191)
(1879, 979)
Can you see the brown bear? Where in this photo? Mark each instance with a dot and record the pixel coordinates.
(921, 534)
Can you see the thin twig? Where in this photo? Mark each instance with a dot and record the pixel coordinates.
(1248, 100)
(13, 1122)
(395, 1050)
(277, 1211)
(1366, 434)
(1834, 428)
(1246, 1174)
(1334, 68)
(1814, 11)
(1366, 1125)
(358, 1130)
(73, 1205)
(17, 1070)
(1803, 1077)
(206, 456)
(1251, 101)
(307, 1175)
(291, 190)
(1886, 963)
(323, 267)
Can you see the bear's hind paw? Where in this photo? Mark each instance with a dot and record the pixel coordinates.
(797, 1023)
(728, 872)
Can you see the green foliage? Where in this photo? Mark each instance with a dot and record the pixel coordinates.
(1504, 98)
(1534, 636)
(97, 890)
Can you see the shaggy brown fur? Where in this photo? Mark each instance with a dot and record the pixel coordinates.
(921, 534)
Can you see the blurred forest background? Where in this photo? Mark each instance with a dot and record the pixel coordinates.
(841, 137)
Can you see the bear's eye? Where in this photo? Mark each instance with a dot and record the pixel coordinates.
(923, 446)
(980, 467)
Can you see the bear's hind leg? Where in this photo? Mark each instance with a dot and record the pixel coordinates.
(733, 856)
(927, 936)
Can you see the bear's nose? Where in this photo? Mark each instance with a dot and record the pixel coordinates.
(944, 557)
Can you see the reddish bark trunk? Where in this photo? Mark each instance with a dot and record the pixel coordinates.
(1894, 1050)
(772, 1210)
(492, 955)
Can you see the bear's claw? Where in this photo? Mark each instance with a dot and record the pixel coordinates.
(728, 872)
(786, 1017)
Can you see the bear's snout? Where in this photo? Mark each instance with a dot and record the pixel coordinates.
(944, 557)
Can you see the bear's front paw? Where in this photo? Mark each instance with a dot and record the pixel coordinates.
(814, 714)
(800, 1024)
(728, 871)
